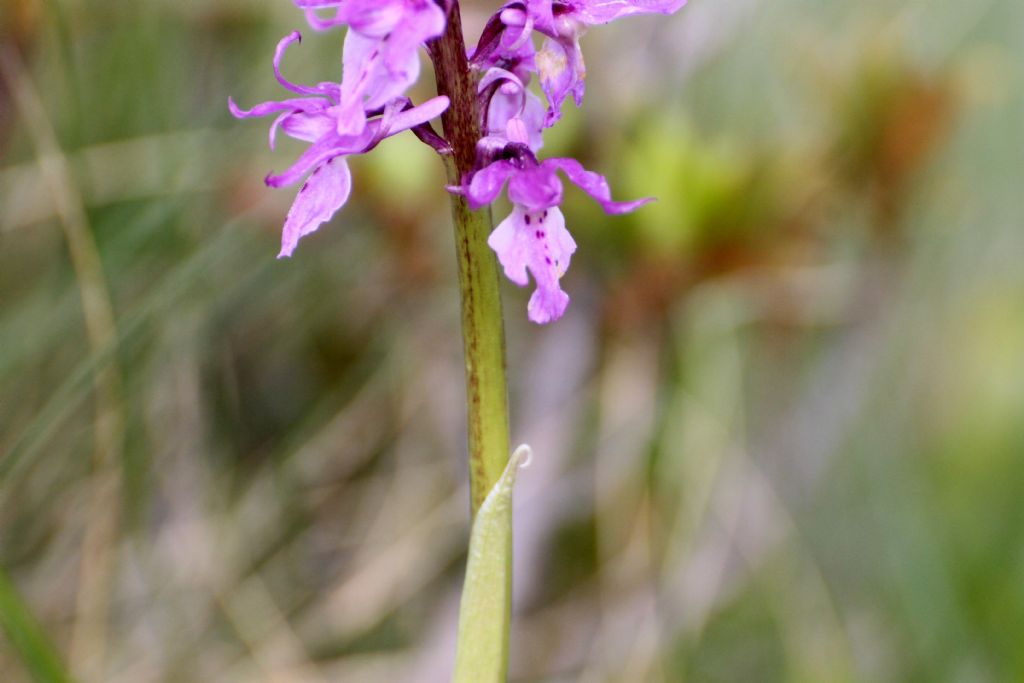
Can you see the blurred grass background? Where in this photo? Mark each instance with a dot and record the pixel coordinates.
(779, 435)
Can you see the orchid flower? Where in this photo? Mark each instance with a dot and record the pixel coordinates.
(314, 119)
(533, 237)
(559, 63)
(381, 61)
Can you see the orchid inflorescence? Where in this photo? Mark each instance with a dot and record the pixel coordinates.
(381, 62)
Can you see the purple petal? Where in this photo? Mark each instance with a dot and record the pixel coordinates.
(317, 154)
(318, 23)
(536, 241)
(282, 45)
(324, 192)
(421, 113)
(307, 104)
(495, 74)
(303, 106)
(533, 116)
(486, 183)
(278, 120)
(547, 305)
(603, 11)
(593, 184)
(375, 18)
(307, 127)
(381, 54)
(376, 71)
(360, 61)
(551, 248)
(536, 188)
(540, 12)
(511, 250)
(422, 21)
(331, 144)
(489, 43)
(511, 103)
(562, 72)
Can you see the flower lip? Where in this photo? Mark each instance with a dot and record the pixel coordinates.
(536, 187)
(536, 243)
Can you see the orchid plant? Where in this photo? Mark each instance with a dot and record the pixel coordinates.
(493, 127)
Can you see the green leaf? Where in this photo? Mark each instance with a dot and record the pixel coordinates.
(485, 611)
(28, 638)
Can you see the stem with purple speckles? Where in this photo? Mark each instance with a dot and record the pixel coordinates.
(482, 325)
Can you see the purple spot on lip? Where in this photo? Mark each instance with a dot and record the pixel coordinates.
(527, 219)
(539, 234)
(547, 260)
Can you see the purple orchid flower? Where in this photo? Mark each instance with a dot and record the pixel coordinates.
(533, 237)
(559, 62)
(381, 60)
(314, 119)
(371, 17)
(381, 55)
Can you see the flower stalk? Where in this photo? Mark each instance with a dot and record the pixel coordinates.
(482, 325)
(486, 610)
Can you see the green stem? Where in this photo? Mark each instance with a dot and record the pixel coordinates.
(482, 327)
(485, 612)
